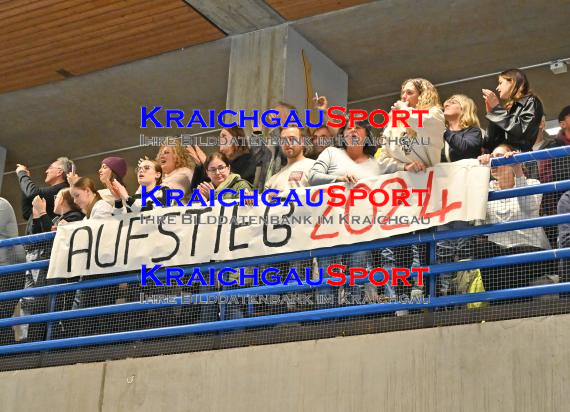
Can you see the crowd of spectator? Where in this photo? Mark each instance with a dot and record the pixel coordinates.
(515, 118)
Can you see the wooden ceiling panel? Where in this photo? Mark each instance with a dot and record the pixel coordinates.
(297, 9)
(50, 40)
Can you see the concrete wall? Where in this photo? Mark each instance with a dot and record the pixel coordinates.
(517, 365)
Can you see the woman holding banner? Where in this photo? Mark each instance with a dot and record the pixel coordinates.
(94, 207)
(349, 164)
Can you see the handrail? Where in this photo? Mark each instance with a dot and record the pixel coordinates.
(529, 257)
(438, 269)
(545, 154)
(272, 320)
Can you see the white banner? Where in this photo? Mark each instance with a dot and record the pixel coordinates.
(455, 191)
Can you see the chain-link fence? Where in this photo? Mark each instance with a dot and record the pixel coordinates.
(509, 266)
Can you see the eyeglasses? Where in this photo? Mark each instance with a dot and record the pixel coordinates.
(145, 168)
(217, 170)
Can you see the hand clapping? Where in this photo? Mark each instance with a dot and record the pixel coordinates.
(204, 189)
(39, 206)
(491, 99)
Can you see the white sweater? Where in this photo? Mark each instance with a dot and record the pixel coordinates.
(101, 210)
(395, 156)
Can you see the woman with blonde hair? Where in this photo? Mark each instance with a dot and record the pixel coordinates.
(177, 168)
(402, 152)
(516, 122)
(463, 136)
(463, 140)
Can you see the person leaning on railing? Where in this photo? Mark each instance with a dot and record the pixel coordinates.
(516, 241)
(463, 140)
(9, 256)
(8, 229)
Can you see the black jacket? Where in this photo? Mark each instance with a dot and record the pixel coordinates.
(463, 144)
(30, 190)
(517, 126)
(44, 223)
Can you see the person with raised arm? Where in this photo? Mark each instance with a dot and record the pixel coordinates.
(55, 179)
(416, 147)
(515, 121)
(149, 174)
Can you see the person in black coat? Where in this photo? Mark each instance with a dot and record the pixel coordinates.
(463, 136)
(55, 178)
(517, 122)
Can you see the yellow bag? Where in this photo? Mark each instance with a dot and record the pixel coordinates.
(470, 281)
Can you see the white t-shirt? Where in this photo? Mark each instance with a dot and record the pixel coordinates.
(291, 176)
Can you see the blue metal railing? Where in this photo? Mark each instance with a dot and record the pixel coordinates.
(431, 238)
(272, 320)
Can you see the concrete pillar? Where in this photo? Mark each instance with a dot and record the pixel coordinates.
(276, 64)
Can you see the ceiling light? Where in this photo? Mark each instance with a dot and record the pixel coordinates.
(558, 67)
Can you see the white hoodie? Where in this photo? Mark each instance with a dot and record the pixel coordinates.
(395, 156)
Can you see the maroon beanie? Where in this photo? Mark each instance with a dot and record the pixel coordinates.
(117, 164)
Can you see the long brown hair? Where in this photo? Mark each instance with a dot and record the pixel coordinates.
(68, 199)
(520, 87)
(85, 183)
(241, 146)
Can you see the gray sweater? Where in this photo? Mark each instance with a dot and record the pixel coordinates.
(334, 162)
